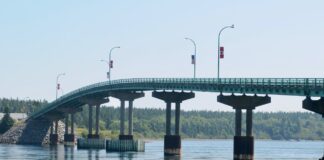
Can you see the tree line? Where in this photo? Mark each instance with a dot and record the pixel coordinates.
(150, 122)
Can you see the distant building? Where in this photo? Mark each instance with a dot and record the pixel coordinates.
(15, 116)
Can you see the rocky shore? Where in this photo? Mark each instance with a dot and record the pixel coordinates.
(32, 132)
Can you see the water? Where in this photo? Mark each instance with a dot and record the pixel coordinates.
(191, 150)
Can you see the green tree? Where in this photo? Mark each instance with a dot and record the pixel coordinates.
(7, 122)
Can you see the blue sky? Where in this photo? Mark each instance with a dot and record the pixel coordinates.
(39, 39)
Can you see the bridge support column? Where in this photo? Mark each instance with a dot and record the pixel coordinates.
(243, 145)
(67, 124)
(126, 142)
(172, 143)
(130, 118)
(90, 123)
(97, 120)
(130, 97)
(72, 123)
(238, 122)
(93, 140)
(122, 119)
(52, 128)
(54, 134)
(69, 138)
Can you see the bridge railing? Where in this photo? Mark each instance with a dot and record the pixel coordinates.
(310, 83)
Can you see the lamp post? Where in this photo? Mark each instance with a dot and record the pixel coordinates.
(110, 61)
(194, 57)
(232, 26)
(57, 83)
(107, 64)
(57, 88)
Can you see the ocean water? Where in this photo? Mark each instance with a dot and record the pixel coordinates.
(191, 150)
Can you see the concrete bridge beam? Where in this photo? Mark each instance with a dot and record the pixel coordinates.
(316, 106)
(172, 143)
(243, 145)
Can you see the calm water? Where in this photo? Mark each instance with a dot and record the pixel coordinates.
(191, 149)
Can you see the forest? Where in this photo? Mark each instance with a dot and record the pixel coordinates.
(150, 122)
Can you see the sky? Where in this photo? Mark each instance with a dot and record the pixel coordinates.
(40, 39)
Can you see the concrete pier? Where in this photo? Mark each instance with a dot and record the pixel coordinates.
(316, 106)
(91, 143)
(126, 142)
(90, 122)
(54, 140)
(125, 145)
(93, 140)
(172, 143)
(69, 138)
(243, 145)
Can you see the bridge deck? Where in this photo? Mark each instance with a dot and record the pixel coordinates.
(313, 87)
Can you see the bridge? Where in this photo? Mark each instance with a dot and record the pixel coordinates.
(242, 94)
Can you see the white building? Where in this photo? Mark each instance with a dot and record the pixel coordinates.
(15, 116)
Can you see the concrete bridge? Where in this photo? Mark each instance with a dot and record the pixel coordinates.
(244, 94)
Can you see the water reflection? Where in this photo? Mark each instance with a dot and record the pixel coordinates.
(69, 152)
(126, 155)
(218, 149)
(93, 154)
(57, 152)
(61, 152)
(172, 157)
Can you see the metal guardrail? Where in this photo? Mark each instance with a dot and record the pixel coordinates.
(279, 86)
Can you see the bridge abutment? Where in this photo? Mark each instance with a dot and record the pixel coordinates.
(126, 142)
(243, 145)
(172, 143)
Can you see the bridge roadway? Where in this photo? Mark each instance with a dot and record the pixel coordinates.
(312, 87)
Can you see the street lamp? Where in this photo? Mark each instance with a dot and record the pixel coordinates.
(107, 64)
(232, 26)
(193, 57)
(57, 83)
(111, 62)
